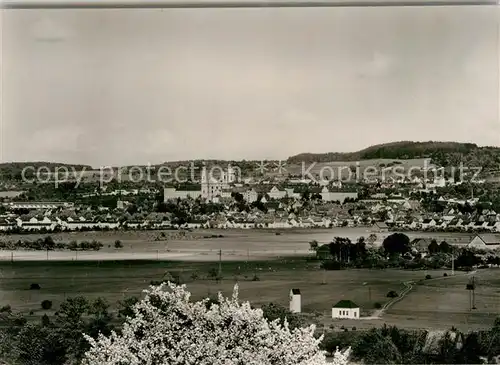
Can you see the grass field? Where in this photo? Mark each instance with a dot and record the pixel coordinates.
(194, 246)
(439, 303)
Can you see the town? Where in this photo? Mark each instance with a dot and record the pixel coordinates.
(435, 204)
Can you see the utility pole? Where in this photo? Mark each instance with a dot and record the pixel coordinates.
(220, 263)
(473, 293)
(452, 264)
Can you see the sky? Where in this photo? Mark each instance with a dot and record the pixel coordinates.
(137, 86)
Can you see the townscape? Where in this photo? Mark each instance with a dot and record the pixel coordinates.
(391, 242)
(249, 182)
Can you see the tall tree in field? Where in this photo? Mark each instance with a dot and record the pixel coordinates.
(170, 329)
(433, 247)
(396, 244)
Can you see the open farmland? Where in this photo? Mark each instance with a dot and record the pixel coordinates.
(114, 280)
(439, 303)
(204, 245)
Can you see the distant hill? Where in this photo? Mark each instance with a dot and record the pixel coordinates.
(441, 153)
(13, 170)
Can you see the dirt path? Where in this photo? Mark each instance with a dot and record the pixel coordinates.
(408, 287)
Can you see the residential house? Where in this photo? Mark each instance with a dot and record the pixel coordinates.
(35, 224)
(380, 227)
(428, 223)
(7, 225)
(276, 193)
(251, 195)
(420, 245)
(345, 309)
(280, 223)
(485, 242)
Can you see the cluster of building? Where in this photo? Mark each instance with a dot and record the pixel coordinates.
(223, 188)
(344, 309)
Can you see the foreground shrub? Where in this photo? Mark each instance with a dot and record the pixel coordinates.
(168, 328)
(46, 304)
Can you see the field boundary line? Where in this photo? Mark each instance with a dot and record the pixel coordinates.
(409, 285)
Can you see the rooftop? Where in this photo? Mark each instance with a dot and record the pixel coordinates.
(346, 304)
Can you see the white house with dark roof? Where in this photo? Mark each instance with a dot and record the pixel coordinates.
(345, 309)
(295, 301)
(485, 242)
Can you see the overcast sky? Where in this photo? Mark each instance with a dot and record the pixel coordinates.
(135, 86)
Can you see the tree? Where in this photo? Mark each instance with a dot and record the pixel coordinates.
(313, 245)
(46, 304)
(374, 347)
(444, 247)
(168, 328)
(396, 244)
(372, 238)
(274, 311)
(118, 244)
(126, 306)
(433, 247)
(49, 243)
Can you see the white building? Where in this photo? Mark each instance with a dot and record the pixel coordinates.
(295, 302)
(212, 186)
(485, 242)
(345, 309)
(173, 193)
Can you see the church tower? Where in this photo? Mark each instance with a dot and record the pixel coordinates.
(205, 183)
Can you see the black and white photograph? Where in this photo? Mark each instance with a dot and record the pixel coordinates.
(249, 182)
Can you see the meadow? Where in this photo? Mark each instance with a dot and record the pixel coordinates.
(204, 245)
(437, 303)
(265, 265)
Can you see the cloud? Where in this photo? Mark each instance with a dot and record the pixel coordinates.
(378, 65)
(46, 30)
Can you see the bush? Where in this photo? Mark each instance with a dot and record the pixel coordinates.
(35, 287)
(118, 244)
(377, 305)
(46, 304)
(445, 274)
(255, 278)
(428, 277)
(354, 328)
(32, 313)
(45, 320)
(392, 294)
(332, 265)
(6, 309)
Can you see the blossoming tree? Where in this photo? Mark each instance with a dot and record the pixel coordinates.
(169, 329)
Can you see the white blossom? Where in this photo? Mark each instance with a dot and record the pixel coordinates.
(169, 329)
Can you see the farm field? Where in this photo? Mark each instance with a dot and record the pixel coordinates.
(115, 280)
(443, 302)
(254, 244)
(438, 303)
